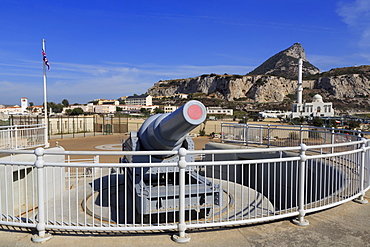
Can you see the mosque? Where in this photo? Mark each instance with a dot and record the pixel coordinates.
(317, 108)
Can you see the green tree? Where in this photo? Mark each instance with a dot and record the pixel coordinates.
(157, 110)
(75, 111)
(144, 111)
(318, 122)
(65, 103)
(57, 108)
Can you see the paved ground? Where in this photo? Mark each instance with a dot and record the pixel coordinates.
(345, 225)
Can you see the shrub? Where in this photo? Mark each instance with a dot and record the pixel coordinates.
(293, 135)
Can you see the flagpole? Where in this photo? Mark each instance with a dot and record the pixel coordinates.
(46, 131)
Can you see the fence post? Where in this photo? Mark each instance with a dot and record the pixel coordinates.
(332, 138)
(261, 135)
(268, 136)
(181, 237)
(42, 236)
(10, 137)
(16, 136)
(361, 199)
(301, 134)
(300, 221)
(222, 133)
(246, 134)
(73, 127)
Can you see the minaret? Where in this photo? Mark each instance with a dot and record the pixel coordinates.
(299, 89)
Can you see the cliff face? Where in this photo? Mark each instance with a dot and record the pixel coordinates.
(263, 88)
(345, 86)
(259, 88)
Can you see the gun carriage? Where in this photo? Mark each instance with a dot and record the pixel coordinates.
(156, 188)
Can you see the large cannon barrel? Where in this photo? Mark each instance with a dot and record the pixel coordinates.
(167, 131)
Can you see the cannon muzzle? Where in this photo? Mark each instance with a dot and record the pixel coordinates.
(167, 131)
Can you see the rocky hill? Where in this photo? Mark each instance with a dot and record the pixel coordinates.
(342, 85)
(285, 63)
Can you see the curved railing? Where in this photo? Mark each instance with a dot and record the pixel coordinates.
(80, 190)
(22, 136)
(285, 135)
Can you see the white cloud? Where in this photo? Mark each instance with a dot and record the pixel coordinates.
(357, 16)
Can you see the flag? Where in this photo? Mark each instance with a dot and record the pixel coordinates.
(45, 59)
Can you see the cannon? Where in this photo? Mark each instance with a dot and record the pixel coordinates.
(156, 188)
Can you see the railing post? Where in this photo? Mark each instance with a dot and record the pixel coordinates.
(10, 137)
(359, 134)
(332, 138)
(261, 135)
(300, 221)
(268, 135)
(301, 134)
(16, 136)
(181, 237)
(42, 236)
(246, 134)
(222, 132)
(361, 199)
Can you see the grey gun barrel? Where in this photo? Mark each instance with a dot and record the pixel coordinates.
(167, 131)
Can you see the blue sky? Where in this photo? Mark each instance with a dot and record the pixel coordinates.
(112, 48)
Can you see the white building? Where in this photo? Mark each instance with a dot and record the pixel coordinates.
(274, 114)
(170, 108)
(181, 96)
(91, 108)
(317, 108)
(130, 108)
(106, 102)
(16, 110)
(219, 111)
(139, 100)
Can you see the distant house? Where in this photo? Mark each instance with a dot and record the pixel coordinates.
(106, 102)
(169, 108)
(139, 100)
(16, 110)
(274, 114)
(220, 111)
(130, 108)
(91, 108)
(181, 96)
(11, 110)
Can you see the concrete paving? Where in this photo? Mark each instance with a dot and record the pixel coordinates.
(345, 225)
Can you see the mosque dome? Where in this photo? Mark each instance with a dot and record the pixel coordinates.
(317, 98)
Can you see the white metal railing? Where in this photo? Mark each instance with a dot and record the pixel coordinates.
(96, 195)
(22, 136)
(285, 135)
